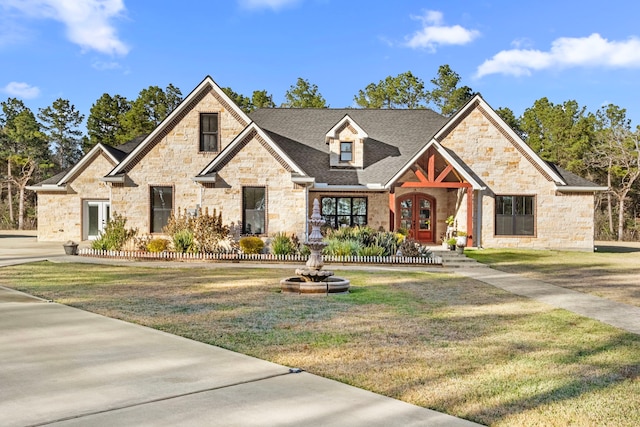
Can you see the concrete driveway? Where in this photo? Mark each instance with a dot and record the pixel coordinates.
(18, 247)
(61, 366)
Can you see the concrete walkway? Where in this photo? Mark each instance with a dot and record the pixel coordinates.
(61, 366)
(623, 316)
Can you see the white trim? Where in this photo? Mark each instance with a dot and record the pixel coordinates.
(332, 133)
(369, 187)
(204, 178)
(208, 81)
(302, 180)
(119, 179)
(238, 139)
(575, 189)
(46, 187)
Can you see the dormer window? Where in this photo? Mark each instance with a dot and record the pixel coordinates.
(346, 141)
(346, 151)
(209, 132)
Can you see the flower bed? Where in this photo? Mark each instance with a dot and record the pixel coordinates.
(237, 257)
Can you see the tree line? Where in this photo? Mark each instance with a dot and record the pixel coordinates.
(600, 146)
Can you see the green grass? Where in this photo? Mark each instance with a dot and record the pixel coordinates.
(435, 340)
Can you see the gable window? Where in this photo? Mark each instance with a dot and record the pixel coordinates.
(344, 211)
(209, 132)
(161, 207)
(515, 215)
(253, 210)
(346, 151)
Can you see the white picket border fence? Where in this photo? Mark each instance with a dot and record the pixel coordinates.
(170, 256)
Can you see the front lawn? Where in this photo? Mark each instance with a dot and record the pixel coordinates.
(440, 341)
(607, 273)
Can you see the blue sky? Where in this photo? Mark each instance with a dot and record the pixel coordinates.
(513, 53)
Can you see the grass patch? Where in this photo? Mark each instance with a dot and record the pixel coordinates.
(612, 275)
(439, 341)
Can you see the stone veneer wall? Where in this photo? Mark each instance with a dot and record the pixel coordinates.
(256, 166)
(173, 161)
(60, 214)
(562, 220)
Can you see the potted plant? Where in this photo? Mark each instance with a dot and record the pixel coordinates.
(450, 220)
(452, 244)
(461, 239)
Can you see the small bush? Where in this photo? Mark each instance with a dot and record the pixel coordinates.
(337, 247)
(387, 240)
(115, 234)
(157, 245)
(140, 243)
(371, 251)
(412, 248)
(183, 241)
(281, 244)
(251, 245)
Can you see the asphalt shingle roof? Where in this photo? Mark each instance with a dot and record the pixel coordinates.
(394, 137)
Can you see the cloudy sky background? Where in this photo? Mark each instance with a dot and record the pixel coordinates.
(513, 53)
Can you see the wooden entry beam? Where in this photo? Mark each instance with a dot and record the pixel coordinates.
(435, 185)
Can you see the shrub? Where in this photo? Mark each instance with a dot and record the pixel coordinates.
(183, 241)
(209, 231)
(157, 245)
(115, 234)
(374, 250)
(412, 248)
(206, 229)
(388, 241)
(281, 244)
(365, 235)
(337, 247)
(140, 243)
(251, 245)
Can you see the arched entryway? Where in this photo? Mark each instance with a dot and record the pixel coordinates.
(416, 212)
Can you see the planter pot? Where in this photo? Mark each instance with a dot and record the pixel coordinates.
(460, 249)
(70, 248)
(461, 241)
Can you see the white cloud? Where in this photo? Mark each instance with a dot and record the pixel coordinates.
(565, 52)
(102, 66)
(88, 22)
(21, 90)
(434, 33)
(263, 4)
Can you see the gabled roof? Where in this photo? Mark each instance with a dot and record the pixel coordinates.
(185, 106)
(346, 121)
(478, 102)
(252, 131)
(394, 137)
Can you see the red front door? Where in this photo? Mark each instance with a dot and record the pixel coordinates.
(416, 213)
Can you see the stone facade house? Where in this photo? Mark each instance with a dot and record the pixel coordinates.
(388, 169)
